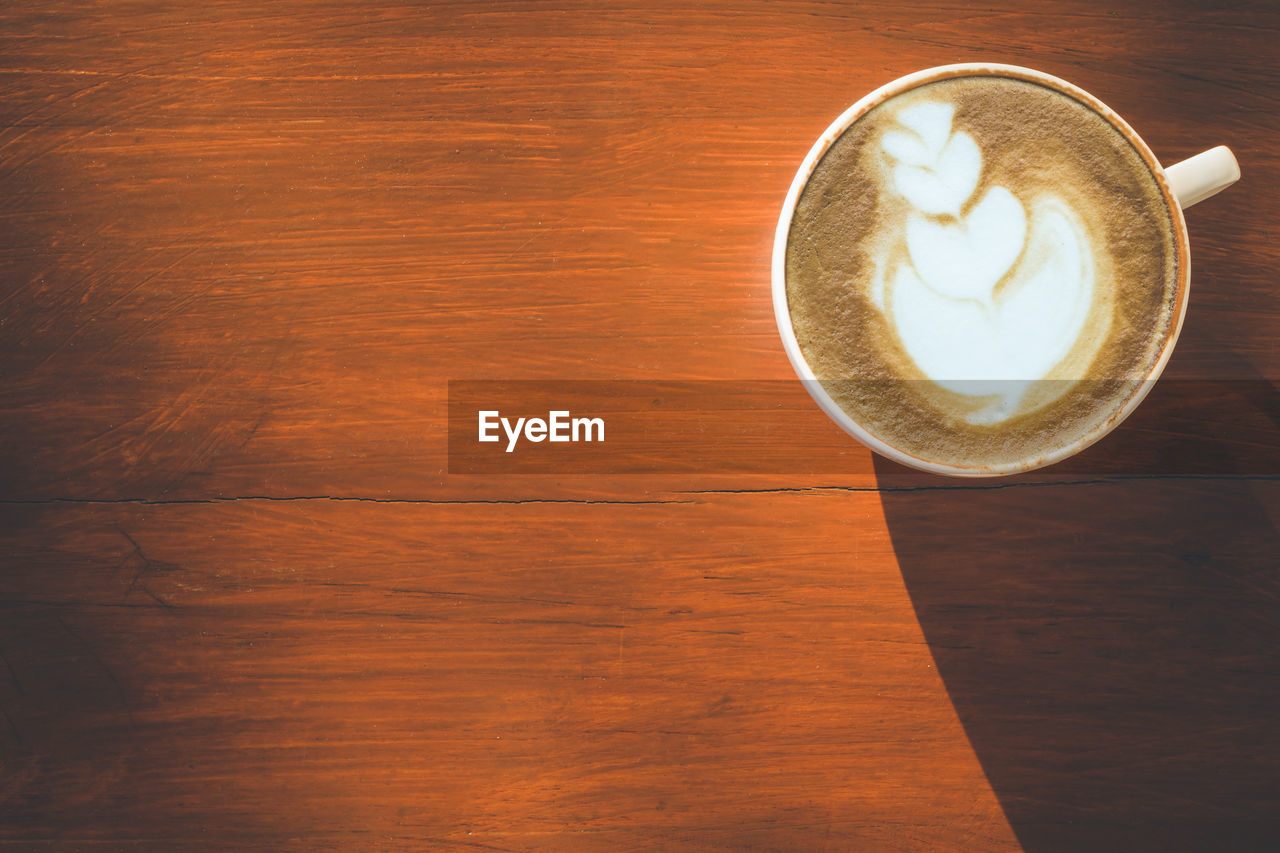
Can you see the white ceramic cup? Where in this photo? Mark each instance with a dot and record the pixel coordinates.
(1182, 184)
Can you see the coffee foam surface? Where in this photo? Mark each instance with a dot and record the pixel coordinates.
(981, 263)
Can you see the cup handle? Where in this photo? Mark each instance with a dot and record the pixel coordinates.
(1208, 173)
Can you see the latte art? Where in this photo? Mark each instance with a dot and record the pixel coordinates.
(981, 269)
(972, 316)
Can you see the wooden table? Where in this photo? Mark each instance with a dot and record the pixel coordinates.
(244, 605)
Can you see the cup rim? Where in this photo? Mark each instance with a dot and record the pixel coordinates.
(779, 284)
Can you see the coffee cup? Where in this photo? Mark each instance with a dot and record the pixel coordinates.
(981, 269)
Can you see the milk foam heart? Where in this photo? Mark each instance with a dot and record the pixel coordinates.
(968, 258)
(984, 302)
(937, 170)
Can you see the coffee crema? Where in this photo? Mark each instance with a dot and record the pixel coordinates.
(981, 270)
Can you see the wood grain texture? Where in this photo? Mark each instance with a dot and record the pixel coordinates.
(412, 677)
(243, 605)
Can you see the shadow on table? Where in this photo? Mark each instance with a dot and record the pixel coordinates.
(1111, 646)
